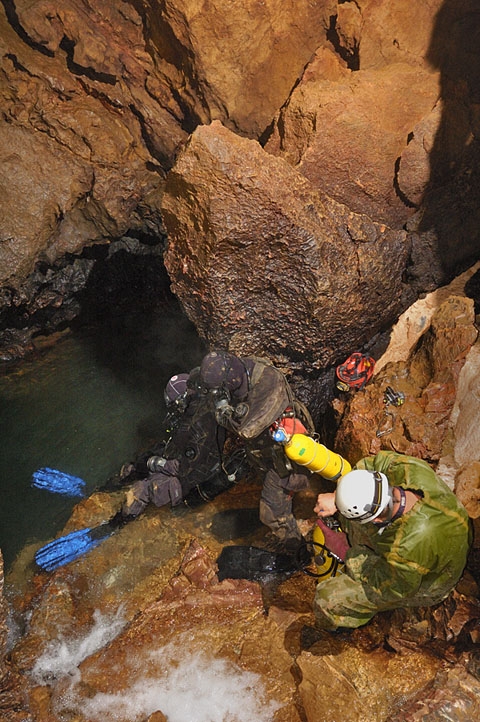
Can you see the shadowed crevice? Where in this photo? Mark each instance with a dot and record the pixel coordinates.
(351, 57)
(12, 17)
(68, 46)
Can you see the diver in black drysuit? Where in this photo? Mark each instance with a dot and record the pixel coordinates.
(249, 395)
(191, 467)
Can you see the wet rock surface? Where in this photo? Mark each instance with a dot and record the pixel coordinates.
(156, 581)
(12, 702)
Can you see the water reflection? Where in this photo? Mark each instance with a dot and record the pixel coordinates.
(84, 406)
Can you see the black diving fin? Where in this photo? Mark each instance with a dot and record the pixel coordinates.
(253, 563)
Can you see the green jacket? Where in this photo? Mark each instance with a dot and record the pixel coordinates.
(423, 553)
(415, 561)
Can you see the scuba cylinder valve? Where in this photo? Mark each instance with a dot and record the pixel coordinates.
(280, 435)
(305, 451)
(327, 564)
(155, 464)
(283, 428)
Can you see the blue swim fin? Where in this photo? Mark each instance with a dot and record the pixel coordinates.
(67, 548)
(59, 482)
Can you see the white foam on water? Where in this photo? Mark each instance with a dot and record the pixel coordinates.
(62, 656)
(187, 687)
(179, 679)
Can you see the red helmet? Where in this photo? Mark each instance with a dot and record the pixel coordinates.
(355, 372)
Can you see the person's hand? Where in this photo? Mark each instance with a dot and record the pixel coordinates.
(325, 505)
(335, 541)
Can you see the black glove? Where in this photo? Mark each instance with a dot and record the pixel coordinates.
(118, 521)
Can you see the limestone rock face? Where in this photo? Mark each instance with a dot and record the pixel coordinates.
(374, 104)
(75, 168)
(356, 126)
(429, 381)
(385, 33)
(392, 128)
(239, 59)
(97, 100)
(346, 134)
(265, 264)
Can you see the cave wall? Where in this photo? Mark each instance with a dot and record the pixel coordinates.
(375, 105)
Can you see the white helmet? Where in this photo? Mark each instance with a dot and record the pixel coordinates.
(363, 495)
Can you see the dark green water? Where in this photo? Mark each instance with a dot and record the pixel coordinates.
(84, 407)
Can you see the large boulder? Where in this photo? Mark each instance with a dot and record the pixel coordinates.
(264, 263)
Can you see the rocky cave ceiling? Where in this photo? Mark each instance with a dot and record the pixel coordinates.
(336, 142)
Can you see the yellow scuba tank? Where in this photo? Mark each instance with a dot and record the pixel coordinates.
(305, 451)
(326, 563)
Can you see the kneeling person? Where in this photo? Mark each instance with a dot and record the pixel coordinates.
(405, 541)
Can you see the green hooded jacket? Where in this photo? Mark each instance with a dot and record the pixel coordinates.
(414, 561)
